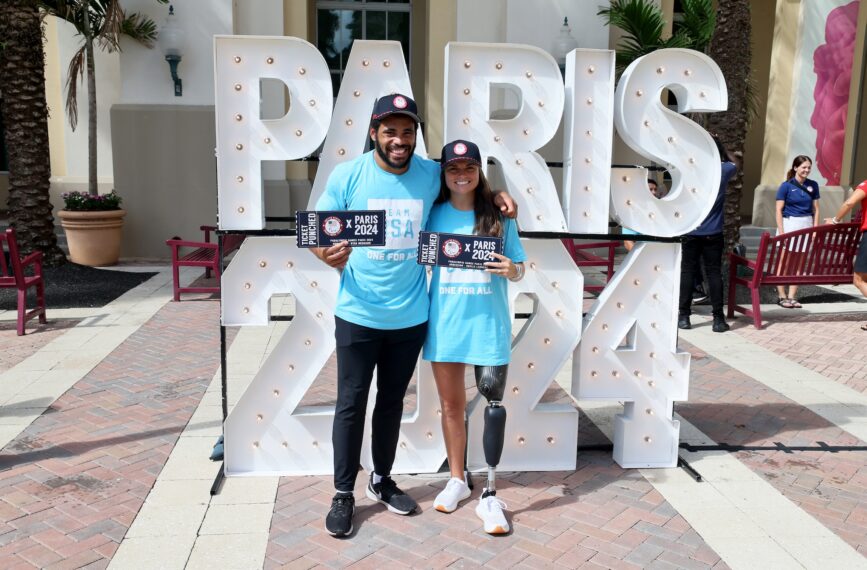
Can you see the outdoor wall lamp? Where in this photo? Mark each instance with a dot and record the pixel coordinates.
(563, 44)
(172, 40)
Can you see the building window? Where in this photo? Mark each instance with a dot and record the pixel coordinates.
(340, 22)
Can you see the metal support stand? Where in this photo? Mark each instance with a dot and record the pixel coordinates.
(217, 486)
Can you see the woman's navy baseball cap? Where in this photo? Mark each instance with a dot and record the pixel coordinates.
(395, 104)
(461, 150)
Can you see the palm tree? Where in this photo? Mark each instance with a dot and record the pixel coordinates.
(643, 25)
(25, 113)
(100, 23)
(730, 48)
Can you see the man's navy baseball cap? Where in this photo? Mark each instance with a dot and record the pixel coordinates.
(461, 150)
(395, 104)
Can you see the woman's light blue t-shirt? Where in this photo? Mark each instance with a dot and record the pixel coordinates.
(469, 308)
(384, 287)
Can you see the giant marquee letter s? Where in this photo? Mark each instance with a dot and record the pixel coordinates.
(658, 133)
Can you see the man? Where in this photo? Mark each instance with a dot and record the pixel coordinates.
(382, 304)
(704, 245)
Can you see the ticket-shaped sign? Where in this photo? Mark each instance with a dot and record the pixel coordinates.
(324, 228)
(457, 251)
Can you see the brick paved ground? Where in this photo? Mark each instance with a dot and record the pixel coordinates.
(599, 516)
(73, 481)
(17, 348)
(834, 346)
(732, 408)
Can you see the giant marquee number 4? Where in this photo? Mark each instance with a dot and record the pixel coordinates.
(628, 350)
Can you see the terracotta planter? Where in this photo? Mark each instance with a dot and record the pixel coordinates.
(93, 237)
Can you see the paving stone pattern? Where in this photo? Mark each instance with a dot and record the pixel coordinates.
(597, 516)
(73, 481)
(18, 348)
(732, 408)
(831, 345)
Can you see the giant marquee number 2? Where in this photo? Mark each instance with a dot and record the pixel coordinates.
(628, 350)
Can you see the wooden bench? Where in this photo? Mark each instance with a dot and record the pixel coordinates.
(827, 260)
(204, 254)
(12, 275)
(583, 256)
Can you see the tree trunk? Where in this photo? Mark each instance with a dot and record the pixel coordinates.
(91, 108)
(25, 117)
(730, 48)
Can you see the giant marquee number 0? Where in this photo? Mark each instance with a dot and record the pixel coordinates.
(628, 350)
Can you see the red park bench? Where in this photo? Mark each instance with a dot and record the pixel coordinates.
(12, 276)
(827, 260)
(583, 256)
(204, 254)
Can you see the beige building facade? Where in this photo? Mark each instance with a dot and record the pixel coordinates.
(157, 150)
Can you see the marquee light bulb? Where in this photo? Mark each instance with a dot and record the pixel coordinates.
(269, 61)
(301, 71)
(365, 62)
(237, 59)
(386, 63)
(237, 86)
(499, 65)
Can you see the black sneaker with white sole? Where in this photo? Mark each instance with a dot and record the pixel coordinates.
(339, 520)
(387, 493)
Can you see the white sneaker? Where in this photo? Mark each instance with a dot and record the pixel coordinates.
(490, 510)
(456, 491)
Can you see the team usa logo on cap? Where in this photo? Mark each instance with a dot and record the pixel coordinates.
(400, 102)
(460, 149)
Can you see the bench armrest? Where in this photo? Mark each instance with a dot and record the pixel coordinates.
(735, 259)
(208, 229)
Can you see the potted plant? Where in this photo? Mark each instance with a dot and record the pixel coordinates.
(93, 227)
(100, 24)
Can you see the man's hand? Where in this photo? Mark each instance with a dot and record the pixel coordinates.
(506, 204)
(336, 256)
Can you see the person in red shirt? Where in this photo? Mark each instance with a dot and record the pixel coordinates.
(859, 276)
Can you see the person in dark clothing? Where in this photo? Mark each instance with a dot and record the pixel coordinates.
(704, 245)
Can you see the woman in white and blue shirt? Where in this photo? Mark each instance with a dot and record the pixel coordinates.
(797, 209)
(470, 324)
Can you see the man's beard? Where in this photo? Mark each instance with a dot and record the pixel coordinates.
(384, 155)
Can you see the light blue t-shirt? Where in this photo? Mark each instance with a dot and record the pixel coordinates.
(384, 287)
(469, 308)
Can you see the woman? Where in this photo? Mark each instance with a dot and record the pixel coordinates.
(797, 209)
(859, 276)
(470, 324)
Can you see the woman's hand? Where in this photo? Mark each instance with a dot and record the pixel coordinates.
(504, 267)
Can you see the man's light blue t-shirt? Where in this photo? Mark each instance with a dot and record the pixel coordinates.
(469, 309)
(384, 287)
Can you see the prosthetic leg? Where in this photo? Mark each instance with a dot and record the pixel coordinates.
(491, 383)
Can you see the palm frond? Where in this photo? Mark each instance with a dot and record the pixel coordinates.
(698, 23)
(111, 21)
(642, 23)
(140, 28)
(74, 72)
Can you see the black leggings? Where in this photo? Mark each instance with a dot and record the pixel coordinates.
(359, 350)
